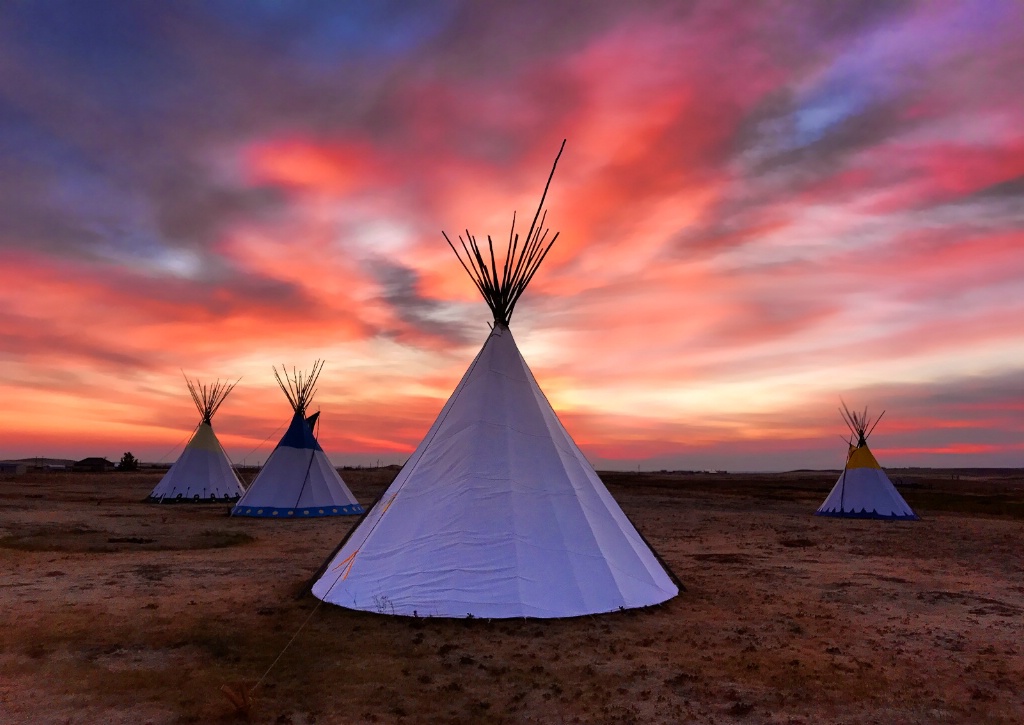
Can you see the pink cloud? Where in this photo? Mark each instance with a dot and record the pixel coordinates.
(751, 197)
(336, 168)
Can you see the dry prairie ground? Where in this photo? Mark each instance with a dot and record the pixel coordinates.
(116, 611)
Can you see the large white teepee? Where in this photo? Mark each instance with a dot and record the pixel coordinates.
(497, 513)
(298, 481)
(202, 473)
(863, 490)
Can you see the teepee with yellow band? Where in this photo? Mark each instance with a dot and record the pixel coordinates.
(863, 490)
(203, 473)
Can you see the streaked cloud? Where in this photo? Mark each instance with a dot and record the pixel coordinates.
(761, 208)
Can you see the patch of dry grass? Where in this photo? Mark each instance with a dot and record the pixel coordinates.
(82, 539)
(786, 618)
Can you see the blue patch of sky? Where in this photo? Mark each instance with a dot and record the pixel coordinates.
(809, 118)
(74, 185)
(985, 17)
(815, 116)
(121, 229)
(111, 50)
(321, 33)
(30, 146)
(140, 252)
(24, 141)
(817, 112)
(116, 222)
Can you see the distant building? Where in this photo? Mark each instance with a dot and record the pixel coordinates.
(38, 463)
(93, 465)
(14, 467)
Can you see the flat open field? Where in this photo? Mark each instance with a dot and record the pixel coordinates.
(116, 611)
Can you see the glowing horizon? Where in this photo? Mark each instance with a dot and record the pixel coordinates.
(761, 210)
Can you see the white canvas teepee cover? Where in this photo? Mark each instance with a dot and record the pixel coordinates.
(202, 472)
(496, 514)
(298, 481)
(864, 491)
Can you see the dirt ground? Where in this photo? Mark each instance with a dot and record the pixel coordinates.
(117, 611)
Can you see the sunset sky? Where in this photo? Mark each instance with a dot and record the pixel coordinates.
(764, 207)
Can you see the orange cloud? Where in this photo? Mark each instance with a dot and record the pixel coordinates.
(336, 168)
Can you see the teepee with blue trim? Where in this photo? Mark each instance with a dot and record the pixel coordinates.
(298, 481)
(863, 491)
(203, 472)
(497, 513)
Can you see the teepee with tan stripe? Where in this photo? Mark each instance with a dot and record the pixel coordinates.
(203, 472)
(497, 513)
(863, 490)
